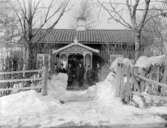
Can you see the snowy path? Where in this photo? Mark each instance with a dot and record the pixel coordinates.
(95, 106)
(81, 113)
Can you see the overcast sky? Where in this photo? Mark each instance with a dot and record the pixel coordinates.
(100, 16)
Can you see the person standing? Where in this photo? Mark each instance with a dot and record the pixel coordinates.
(56, 68)
(78, 70)
(81, 74)
(89, 76)
(70, 76)
(96, 72)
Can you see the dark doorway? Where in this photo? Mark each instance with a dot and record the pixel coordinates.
(74, 71)
(97, 60)
(75, 59)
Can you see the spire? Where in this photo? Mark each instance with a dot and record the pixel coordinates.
(75, 40)
(75, 37)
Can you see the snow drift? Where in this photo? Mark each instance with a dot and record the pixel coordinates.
(57, 85)
(57, 88)
(145, 62)
(105, 94)
(125, 61)
(104, 108)
(25, 103)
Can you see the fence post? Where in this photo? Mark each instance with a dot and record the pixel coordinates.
(24, 68)
(120, 79)
(157, 78)
(164, 77)
(45, 77)
(135, 83)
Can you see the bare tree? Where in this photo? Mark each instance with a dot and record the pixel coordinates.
(28, 15)
(156, 23)
(8, 23)
(155, 27)
(162, 25)
(135, 24)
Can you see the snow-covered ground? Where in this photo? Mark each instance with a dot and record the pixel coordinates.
(97, 105)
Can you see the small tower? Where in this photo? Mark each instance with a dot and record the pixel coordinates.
(81, 24)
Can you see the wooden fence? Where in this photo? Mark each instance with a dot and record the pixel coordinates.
(133, 80)
(27, 80)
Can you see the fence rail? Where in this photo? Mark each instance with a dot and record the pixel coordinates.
(18, 72)
(132, 80)
(7, 86)
(22, 88)
(20, 80)
(150, 81)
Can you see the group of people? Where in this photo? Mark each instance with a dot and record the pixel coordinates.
(78, 73)
(75, 71)
(60, 67)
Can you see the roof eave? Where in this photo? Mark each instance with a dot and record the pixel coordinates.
(72, 44)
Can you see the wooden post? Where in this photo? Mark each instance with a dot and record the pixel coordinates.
(120, 79)
(128, 82)
(24, 68)
(127, 92)
(91, 60)
(157, 79)
(135, 83)
(151, 91)
(51, 61)
(164, 74)
(142, 83)
(45, 77)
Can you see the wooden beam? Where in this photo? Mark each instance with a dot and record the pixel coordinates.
(23, 88)
(151, 81)
(20, 80)
(17, 72)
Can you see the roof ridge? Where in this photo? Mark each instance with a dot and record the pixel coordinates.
(87, 29)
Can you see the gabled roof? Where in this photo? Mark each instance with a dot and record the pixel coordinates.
(75, 44)
(93, 36)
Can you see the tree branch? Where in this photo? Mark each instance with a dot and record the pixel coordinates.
(53, 25)
(122, 22)
(141, 25)
(135, 8)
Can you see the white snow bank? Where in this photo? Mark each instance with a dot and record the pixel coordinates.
(91, 91)
(110, 108)
(57, 85)
(104, 109)
(158, 110)
(25, 103)
(105, 94)
(145, 62)
(138, 100)
(125, 61)
(57, 89)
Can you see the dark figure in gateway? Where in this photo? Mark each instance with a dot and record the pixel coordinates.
(75, 72)
(80, 74)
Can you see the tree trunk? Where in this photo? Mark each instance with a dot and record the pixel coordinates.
(137, 44)
(31, 57)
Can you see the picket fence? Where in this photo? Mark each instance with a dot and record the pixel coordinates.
(13, 85)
